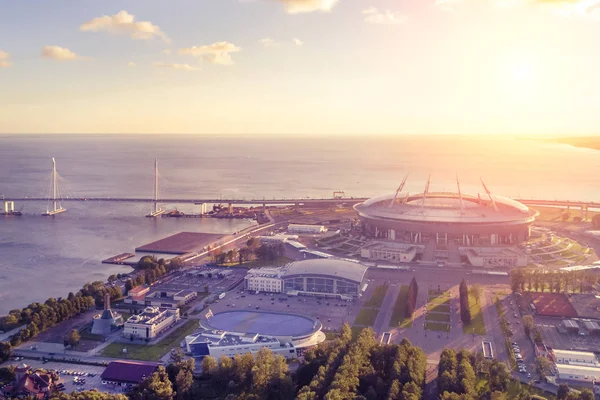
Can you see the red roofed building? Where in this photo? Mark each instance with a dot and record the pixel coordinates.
(37, 384)
(127, 373)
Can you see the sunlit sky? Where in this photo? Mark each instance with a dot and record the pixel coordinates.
(300, 66)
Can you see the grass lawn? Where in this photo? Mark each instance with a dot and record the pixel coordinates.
(437, 317)
(477, 325)
(86, 334)
(437, 326)
(438, 298)
(331, 335)
(366, 317)
(377, 298)
(398, 319)
(279, 261)
(154, 352)
(444, 308)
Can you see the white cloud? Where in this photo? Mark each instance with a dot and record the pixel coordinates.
(131, 64)
(268, 42)
(5, 59)
(374, 16)
(166, 51)
(59, 53)
(298, 42)
(125, 24)
(216, 53)
(304, 6)
(184, 67)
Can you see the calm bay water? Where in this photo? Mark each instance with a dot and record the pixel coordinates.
(42, 257)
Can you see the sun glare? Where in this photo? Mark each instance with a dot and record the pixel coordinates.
(522, 71)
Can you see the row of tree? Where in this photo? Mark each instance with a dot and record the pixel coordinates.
(247, 377)
(150, 270)
(535, 280)
(254, 249)
(411, 298)
(463, 295)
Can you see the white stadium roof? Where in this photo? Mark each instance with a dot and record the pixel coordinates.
(333, 267)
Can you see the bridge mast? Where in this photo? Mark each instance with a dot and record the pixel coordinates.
(54, 183)
(156, 210)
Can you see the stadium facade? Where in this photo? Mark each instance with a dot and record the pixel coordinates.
(446, 217)
(326, 277)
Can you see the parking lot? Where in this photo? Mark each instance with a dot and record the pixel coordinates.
(191, 279)
(70, 374)
(566, 341)
(331, 312)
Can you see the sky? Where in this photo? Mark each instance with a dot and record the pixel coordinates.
(300, 66)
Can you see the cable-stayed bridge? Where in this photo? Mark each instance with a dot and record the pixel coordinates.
(55, 199)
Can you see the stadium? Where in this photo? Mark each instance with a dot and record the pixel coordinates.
(238, 332)
(327, 277)
(442, 217)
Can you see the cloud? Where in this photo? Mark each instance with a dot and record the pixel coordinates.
(298, 42)
(59, 53)
(184, 67)
(166, 51)
(268, 42)
(131, 64)
(573, 8)
(374, 16)
(124, 23)
(304, 6)
(216, 53)
(5, 60)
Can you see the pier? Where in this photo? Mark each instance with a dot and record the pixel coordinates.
(118, 259)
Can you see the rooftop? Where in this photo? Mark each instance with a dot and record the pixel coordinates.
(262, 323)
(151, 316)
(128, 371)
(570, 368)
(352, 271)
(445, 207)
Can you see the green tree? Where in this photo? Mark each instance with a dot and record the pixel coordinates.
(73, 338)
(475, 290)
(543, 366)
(183, 382)
(395, 389)
(209, 365)
(5, 351)
(586, 394)
(156, 387)
(528, 324)
(563, 391)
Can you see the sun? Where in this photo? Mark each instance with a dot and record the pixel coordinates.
(522, 71)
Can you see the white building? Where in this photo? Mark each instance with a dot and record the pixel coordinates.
(577, 365)
(392, 252)
(265, 280)
(310, 229)
(151, 323)
(489, 257)
(575, 357)
(578, 372)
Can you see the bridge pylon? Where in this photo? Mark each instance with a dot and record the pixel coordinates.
(54, 193)
(156, 210)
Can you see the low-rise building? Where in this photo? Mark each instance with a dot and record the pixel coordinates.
(308, 229)
(265, 280)
(575, 357)
(161, 297)
(150, 323)
(491, 257)
(108, 320)
(570, 326)
(582, 373)
(390, 252)
(127, 373)
(29, 383)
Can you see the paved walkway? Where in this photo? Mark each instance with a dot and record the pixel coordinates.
(382, 322)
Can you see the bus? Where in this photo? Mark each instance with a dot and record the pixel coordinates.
(488, 352)
(222, 296)
(386, 338)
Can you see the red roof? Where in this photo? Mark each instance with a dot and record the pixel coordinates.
(128, 371)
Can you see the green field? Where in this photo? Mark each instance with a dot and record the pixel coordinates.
(356, 330)
(477, 325)
(437, 326)
(398, 319)
(377, 297)
(151, 352)
(438, 298)
(443, 308)
(439, 317)
(366, 317)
